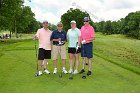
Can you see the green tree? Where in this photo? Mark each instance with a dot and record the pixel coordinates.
(132, 24)
(52, 27)
(32, 27)
(24, 19)
(16, 17)
(115, 27)
(73, 14)
(99, 26)
(107, 28)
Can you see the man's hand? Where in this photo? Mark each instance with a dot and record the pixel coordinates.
(35, 37)
(83, 41)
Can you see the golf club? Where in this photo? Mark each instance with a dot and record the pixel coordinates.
(36, 74)
(71, 76)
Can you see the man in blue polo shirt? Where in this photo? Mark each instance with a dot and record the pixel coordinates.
(59, 38)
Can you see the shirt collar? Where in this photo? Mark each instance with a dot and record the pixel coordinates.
(45, 29)
(86, 26)
(58, 31)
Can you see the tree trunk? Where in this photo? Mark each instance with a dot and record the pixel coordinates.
(16, 29)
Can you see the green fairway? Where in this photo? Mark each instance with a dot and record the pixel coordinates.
(116, 69)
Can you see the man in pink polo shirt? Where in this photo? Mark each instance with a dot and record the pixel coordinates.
(43, 35)
(87, 37)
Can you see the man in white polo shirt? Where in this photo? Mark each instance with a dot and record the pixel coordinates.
(43, 35)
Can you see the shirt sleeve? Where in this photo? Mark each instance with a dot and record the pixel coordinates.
(79, 33)
(68, 35)
(65, 39)
(52, 35)
(92, 32)
(37, 33)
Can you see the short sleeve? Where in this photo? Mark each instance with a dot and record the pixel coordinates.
(37, 34)
(92, 32)
(67, 34)
(79, 33)
(52, 35)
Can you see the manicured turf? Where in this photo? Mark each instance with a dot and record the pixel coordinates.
(113, 70)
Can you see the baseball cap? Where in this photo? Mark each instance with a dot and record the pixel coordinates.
(45, 21)
(59, 24)
(73, 21)
(86, 19)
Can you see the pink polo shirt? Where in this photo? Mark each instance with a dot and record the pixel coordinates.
(44, 38)
(87, 32)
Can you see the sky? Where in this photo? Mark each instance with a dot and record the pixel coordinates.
(99, 10)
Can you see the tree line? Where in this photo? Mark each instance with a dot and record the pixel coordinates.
(130, 25)
(17, 18)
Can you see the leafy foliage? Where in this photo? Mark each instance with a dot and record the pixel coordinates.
(130, 26)
(16, 17)
(73, 14)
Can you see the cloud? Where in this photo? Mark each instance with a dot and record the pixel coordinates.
(105, 9)
(41, 15)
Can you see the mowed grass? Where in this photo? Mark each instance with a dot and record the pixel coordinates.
(119, 50)
(18, 65)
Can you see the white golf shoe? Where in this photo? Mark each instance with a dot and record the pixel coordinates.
(70, 71)
(75, 72)
(55, 71)
(39, 73)
(64, 70)
(46, 71)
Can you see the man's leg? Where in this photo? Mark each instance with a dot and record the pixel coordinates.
(63, 57)
(40, 60)
(83, 62)
(45, 63)
(89, 64)
(83, 65)
(55, 66)
(55, 63)
(45, 66)
(83, 55)
(89, 56)
(54, 56)
(40, 65)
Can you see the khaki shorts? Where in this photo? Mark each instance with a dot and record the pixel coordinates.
(61, 50)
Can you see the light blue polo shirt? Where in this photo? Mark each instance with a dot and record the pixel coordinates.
(72, 36)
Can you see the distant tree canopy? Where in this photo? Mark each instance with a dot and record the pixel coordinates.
(73, 14)
(130, 26)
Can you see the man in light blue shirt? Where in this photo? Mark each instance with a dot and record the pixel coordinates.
(73, 36)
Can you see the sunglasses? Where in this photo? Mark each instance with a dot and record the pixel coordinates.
(85, 21)
(59, 25)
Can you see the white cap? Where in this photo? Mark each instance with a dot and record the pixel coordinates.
(73, 21)
(45, 21)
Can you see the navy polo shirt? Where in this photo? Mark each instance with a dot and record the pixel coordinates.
(56, 35)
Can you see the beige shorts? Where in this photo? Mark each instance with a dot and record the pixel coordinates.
(61, 50)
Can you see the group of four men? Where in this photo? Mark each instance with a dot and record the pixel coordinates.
(53, 43)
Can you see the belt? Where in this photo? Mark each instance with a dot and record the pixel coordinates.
(59, 44)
